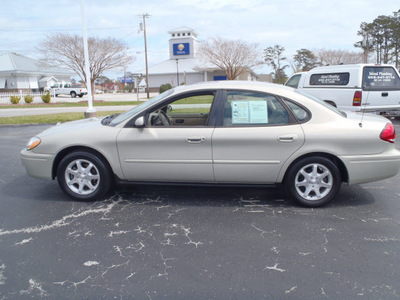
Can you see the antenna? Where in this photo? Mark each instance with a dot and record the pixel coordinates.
(365, 104)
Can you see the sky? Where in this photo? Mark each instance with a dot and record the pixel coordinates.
(293, 24)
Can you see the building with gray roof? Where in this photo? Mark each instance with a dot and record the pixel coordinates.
(18, 72)
(184, 65)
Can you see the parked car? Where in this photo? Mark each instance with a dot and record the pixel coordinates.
(358, 87)
(228, 132)
(67, 89)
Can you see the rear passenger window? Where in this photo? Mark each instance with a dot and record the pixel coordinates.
(330, 79)
(301, 114)
(248, 108)
(380, 78)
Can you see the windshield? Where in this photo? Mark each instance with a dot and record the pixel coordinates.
(327, 105)
(129, 113)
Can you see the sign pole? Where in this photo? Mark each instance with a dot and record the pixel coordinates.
(91, 111)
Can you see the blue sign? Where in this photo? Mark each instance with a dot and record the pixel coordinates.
(128, 79)
(181, 49)
(217, 78)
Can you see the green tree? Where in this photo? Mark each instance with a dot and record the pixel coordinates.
(383, 37)
(396, 37)
(273, 57)
(367, 44)
(305, 60)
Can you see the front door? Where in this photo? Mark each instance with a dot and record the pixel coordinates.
(175, 145)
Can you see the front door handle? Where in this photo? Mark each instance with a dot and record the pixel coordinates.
(196, 139)
(385, 94)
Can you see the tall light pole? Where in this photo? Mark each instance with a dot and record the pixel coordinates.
(91, 111)
(144, 16)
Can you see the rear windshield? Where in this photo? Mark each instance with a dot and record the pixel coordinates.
(380, 78)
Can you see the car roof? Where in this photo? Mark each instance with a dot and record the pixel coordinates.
(236, 85)
(347, 67)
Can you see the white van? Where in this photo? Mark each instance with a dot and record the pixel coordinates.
(359, 87)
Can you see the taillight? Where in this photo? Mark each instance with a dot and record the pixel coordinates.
(388, 133)
(357, 98)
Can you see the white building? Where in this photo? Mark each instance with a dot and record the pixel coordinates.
(18, 72)
(184, 65)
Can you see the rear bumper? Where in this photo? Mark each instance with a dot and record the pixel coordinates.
(369, 168)
(38, 165)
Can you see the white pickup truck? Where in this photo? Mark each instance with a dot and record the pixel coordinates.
(358, 87)
(67, 89)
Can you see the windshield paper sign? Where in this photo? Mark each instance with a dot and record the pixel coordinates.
(249, 112)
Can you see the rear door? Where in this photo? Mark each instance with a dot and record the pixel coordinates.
(257, 135)
(381, 86)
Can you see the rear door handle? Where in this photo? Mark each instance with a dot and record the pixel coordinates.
(195, 139)
(288, 138)
(385, 94)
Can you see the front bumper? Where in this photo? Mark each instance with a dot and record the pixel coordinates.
(37, 165)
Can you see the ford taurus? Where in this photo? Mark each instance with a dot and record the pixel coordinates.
(230, 133)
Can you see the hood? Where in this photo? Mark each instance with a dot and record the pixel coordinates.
(77, 126)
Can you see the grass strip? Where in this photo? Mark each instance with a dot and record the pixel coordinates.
(73, 104)
(51, 118)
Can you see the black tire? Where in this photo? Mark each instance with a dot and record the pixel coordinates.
(313, 181)
(73, 94)
(84, 176)
(81, 95)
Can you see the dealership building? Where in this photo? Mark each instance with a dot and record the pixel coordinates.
(184, 65)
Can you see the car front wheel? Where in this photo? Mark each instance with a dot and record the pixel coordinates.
(313, 181)
(84, 176)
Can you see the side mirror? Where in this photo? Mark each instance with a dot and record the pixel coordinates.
(139, 122)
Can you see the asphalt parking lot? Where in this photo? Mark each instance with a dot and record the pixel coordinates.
(153, 242)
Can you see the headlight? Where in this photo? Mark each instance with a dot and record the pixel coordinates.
(33, 143)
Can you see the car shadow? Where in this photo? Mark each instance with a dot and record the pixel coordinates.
(25, 187)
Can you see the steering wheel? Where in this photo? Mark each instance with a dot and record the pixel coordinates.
(162, 116)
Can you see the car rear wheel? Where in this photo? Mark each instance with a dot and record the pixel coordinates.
(313, 181)
(73, 94)
(84, 176)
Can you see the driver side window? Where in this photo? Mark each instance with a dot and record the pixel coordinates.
(186, 111)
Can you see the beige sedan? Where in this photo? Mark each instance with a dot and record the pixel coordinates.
(228, 132)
